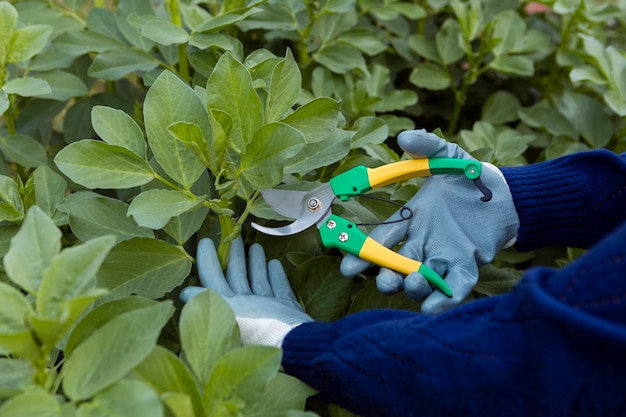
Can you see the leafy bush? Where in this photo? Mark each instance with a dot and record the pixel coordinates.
(131, 130)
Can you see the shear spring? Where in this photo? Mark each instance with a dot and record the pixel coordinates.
(406, 213)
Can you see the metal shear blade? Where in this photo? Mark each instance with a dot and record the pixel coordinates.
(307, 208)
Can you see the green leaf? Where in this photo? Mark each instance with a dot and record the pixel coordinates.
(182, 227)
(27, 87)
(166, 373)
(92, 215)
(96, 164)
(241, 374)
(191, 135)
(283, 393)
(430, 76)
(510, 144)
(369, 130)
(32, 250)
(11, 204)
(116, 63)
(113, 350)
(316, 155)
(50, 190)
(154, 208)
(164, 32)
(425, 47)
(116, 127)
(27, 42)
(284, 88)
(501, 107)
(230, 90)
(4, 101)
(589, 117)
(532, 41)
(71, 274)
(515, 65)
(447, 41)
(364, 40)
(123, 399)
(316, 120)
(85, 41)
(15, 376)
(338, 6)
(15, 334)
(546, 117)
(147, 267)
(262, 163)
(340, 58)
(508, 28)
(8, 21)
(63, 85)
(207, 332)
(616, 102)
(587, 73)
(31, 404)
(171, 101)
(24, 150)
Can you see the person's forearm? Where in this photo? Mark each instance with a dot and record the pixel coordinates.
(570, 201)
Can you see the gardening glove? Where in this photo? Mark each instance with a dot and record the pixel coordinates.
(452, 231)
(265, 306)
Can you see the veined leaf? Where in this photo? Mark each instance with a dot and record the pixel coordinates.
(316, 120)
(63, 85)
(509, 27)
(11, 204)
(284, 88)
(24, 150)
(126, 398)
(96, 164)
(447, 41)
(191, 135)
(8, 21)
(113, 350)
(27, 87)
(171, 101)
(164, 32)
(431, 76)
(84, 41)
(37, 403)
(154, 208)
(115, 63)
(116, 127)
(32, 250)
(340, 58)
(516, 65)
(316, 155)
(27, 42)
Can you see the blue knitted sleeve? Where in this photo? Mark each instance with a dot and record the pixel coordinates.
(573, 200)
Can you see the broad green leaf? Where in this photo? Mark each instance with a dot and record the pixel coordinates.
(262, 163)
(4, 101)
(27, 87)
(11, 204)
(170, 101)
(85, 41)
(147, 267)
(92, 215)
(24, 150)
(32, 250)
(207, 332)
(340, 58)
(447, 41)
(369, 130)
(230, 90)
(425, 47)
(96, 164)
(482, 135)
(166, 373)
(113, 350)
(116, 127)
(115, 63)
(546, 117)
(566, 6)
(164, 32)
(589, 117)
(501, 107)
(71, 274)
(597, 51)
(191, 135)
(283, 393)
(16, 375)
(338, 6)
(284, 89)
(510, 144)
(329, 26)
(587, 73)
(14, 310)
(63, 85)
(508, 27)
(8, 21)
(241, 374)
(316, 120)
(154, 208)
(515, 65)
(36, 403)
(101, 315)
(323, 290)
(50, 190)
(181, 228)
(532, 41)
(27, 42)
(430, 76)
(616, 101)
(363, 39)
(226, 19)
(126, 398)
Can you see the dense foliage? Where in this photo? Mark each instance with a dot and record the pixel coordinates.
(131, 129)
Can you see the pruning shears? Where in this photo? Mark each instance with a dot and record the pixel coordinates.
(314, 207)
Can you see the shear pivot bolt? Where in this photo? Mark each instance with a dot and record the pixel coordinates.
(314, 205)
(331, 224)
(343, 237)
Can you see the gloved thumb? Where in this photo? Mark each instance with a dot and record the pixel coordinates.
(423, 144)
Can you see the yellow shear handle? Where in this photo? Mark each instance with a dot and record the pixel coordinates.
(382, 256)
(398, 171)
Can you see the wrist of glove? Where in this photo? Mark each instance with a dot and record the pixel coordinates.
(452, 230)
(259, 293)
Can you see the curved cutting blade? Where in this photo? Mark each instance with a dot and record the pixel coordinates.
(307, 208)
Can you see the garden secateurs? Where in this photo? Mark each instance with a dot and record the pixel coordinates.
(314, 207)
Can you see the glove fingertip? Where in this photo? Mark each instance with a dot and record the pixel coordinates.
(389, 282)
(352, 265)
(188, 293)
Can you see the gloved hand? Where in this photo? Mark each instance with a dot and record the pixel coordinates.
(452, 231)
(265, 306)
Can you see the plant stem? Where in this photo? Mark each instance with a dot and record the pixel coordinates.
(183, 65)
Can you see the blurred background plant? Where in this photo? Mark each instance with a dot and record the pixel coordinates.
(144, 126)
